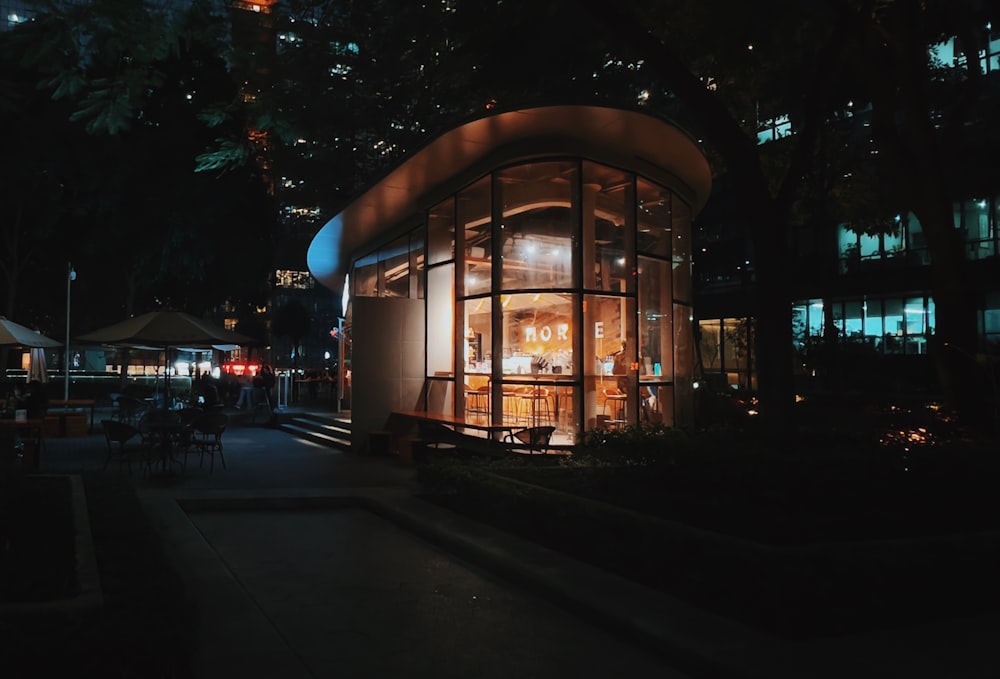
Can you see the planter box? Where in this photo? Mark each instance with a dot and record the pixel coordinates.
(89, 594)
(73, 424)
(65, 425)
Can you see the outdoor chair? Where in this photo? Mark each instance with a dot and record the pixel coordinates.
(187, 416)
(124, 443)
(206, 437)
(130, 410)
(535, 438)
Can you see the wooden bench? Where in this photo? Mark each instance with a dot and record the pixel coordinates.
(63, 404)
(441, 430)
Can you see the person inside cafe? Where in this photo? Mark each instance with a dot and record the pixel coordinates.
(620, 367)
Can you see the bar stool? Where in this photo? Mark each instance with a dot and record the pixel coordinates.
(616, 398)
(478, 399)
(511, 402)
(537, 400)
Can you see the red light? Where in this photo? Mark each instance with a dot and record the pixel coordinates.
(240, 369)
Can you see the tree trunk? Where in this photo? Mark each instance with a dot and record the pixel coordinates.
(895, 64)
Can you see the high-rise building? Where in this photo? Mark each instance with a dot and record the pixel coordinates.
(870, 288)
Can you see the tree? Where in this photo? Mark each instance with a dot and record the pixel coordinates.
(923, 117)
(141, 85)
(809, 60)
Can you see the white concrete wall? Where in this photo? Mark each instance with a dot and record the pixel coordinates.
(387, 362)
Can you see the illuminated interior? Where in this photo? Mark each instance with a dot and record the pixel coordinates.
(572, 298)
(528, 267)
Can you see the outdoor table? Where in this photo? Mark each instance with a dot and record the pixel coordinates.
(163, 435)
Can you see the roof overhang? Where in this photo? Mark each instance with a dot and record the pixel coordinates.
(628, 139)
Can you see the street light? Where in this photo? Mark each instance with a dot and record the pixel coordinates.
(70, 277)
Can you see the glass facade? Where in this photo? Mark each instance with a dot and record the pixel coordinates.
(883, 325)
(903, 244)
(558, 292)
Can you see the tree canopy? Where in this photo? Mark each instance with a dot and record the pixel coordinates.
(123, 89)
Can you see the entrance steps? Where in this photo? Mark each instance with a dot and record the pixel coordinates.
(332, 430)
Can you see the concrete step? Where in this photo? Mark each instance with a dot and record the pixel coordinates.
(323, 428)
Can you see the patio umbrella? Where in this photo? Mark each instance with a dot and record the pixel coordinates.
(16, 335)
(165, 329)
(36, 366)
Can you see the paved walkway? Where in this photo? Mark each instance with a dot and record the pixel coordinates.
(308, 562)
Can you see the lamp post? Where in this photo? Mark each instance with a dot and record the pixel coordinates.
(70, 277)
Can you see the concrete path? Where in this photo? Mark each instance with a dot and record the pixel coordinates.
(308, 562)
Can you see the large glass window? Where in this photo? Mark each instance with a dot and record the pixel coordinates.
(683, 391)
(894, 243)
(807, 321)
(478, 336)
(873, 326)
(298, 280)
(653, 232)
(417, 264)
(474, 218)
(892, 338)
(710, 345)
(537, 333)
(726, 349)
(916, 241)
(868, 245)
(918, 325)
(974, 219)
(539, 223)
(991, 321)
(737, 344)
(394, 268)
(656, 342)
(681, 255)
(853, 323)
(606, 192)
(365, 277)
(441, 232)
(979, 229)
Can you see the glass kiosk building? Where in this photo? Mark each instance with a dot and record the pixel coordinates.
(531, 267)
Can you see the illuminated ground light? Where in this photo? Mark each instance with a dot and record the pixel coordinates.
(908, 437)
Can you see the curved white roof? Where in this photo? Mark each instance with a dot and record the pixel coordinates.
(629, 139)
